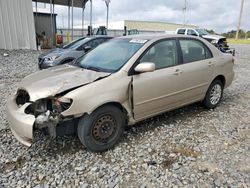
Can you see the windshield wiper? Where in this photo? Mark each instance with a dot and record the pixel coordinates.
(94, 68)
(97, 69)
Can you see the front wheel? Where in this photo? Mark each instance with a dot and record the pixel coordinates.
(102, 129)
(213, 95)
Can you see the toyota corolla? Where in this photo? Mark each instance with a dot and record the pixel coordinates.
(121, 82)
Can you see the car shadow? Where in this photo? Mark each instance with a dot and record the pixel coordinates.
(167, 118)
(70, 144)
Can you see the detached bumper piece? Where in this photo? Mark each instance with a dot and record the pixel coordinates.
(21, 124)
(227, 50)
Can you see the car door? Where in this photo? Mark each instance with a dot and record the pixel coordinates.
(197, 69)
(158, 91)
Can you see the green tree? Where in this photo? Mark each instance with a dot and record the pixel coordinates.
(248, 34)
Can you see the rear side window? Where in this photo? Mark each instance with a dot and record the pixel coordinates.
(194, 50)
(181, 31)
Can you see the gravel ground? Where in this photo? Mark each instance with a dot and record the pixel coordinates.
(184, 148)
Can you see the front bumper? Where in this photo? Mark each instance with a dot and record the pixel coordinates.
(44, 65)
(21, 124)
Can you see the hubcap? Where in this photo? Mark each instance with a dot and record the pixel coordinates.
(215, 94)
(104, 128)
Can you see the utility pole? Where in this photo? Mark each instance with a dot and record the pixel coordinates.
(83, 8)
(107, 5)
(90, 21)
(184, 13)
(239, 22)
(62, 20)
(72, 20)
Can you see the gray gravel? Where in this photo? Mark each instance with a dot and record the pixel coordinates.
(183, 148)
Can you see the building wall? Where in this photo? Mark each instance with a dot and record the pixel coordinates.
(155, 26)
(17, 29)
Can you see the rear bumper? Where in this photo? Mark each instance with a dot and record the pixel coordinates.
(21, 124)
(229, 79)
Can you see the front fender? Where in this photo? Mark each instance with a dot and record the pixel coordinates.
(114, 88)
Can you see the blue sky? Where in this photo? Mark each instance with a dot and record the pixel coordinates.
(220, 15)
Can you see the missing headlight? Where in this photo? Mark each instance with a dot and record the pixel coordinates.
(54, 105)
(61, 104)
(22, 97)
(37, 108)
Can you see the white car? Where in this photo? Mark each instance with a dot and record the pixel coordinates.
(219, 41)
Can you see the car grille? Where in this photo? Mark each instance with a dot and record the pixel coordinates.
(22, 97)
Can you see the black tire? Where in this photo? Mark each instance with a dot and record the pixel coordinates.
(102, 129)
(210, 103)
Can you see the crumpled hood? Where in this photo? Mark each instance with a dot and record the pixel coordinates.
(55, 80)
(214, 37)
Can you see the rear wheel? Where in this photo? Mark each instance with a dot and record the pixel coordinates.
(102, 129)
(213, 95)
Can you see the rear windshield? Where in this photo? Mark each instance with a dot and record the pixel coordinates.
(202, 31)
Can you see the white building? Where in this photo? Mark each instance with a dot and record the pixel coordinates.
(17, 29)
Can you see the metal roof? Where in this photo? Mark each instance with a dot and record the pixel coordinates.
(77, 3)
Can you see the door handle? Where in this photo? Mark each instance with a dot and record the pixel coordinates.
(210, 64)
(177, 72)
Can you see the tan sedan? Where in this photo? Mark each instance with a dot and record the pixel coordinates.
(121, 82)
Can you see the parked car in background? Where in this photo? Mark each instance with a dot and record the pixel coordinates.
(219, 41)
(122, 81)
(70, 51)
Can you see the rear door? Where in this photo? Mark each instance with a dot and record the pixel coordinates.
(197, 69)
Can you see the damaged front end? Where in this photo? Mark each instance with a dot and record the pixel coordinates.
(25, 116)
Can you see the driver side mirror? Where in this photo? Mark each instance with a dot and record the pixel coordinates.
(87, 48)
(145, 67)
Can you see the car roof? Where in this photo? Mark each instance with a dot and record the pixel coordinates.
(98, 36)
(155, 36)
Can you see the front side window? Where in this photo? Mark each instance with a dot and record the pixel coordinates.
(94, 43)
(193, 50)
(111, 55)
(162, 54)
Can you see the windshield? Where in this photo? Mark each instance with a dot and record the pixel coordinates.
(202, 31)
(110, 56)
(76, 43)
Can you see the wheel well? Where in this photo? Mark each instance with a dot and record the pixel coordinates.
(116, 104)
(67, 60)
(221, 78)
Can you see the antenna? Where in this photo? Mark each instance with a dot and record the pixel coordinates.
(184, 12)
